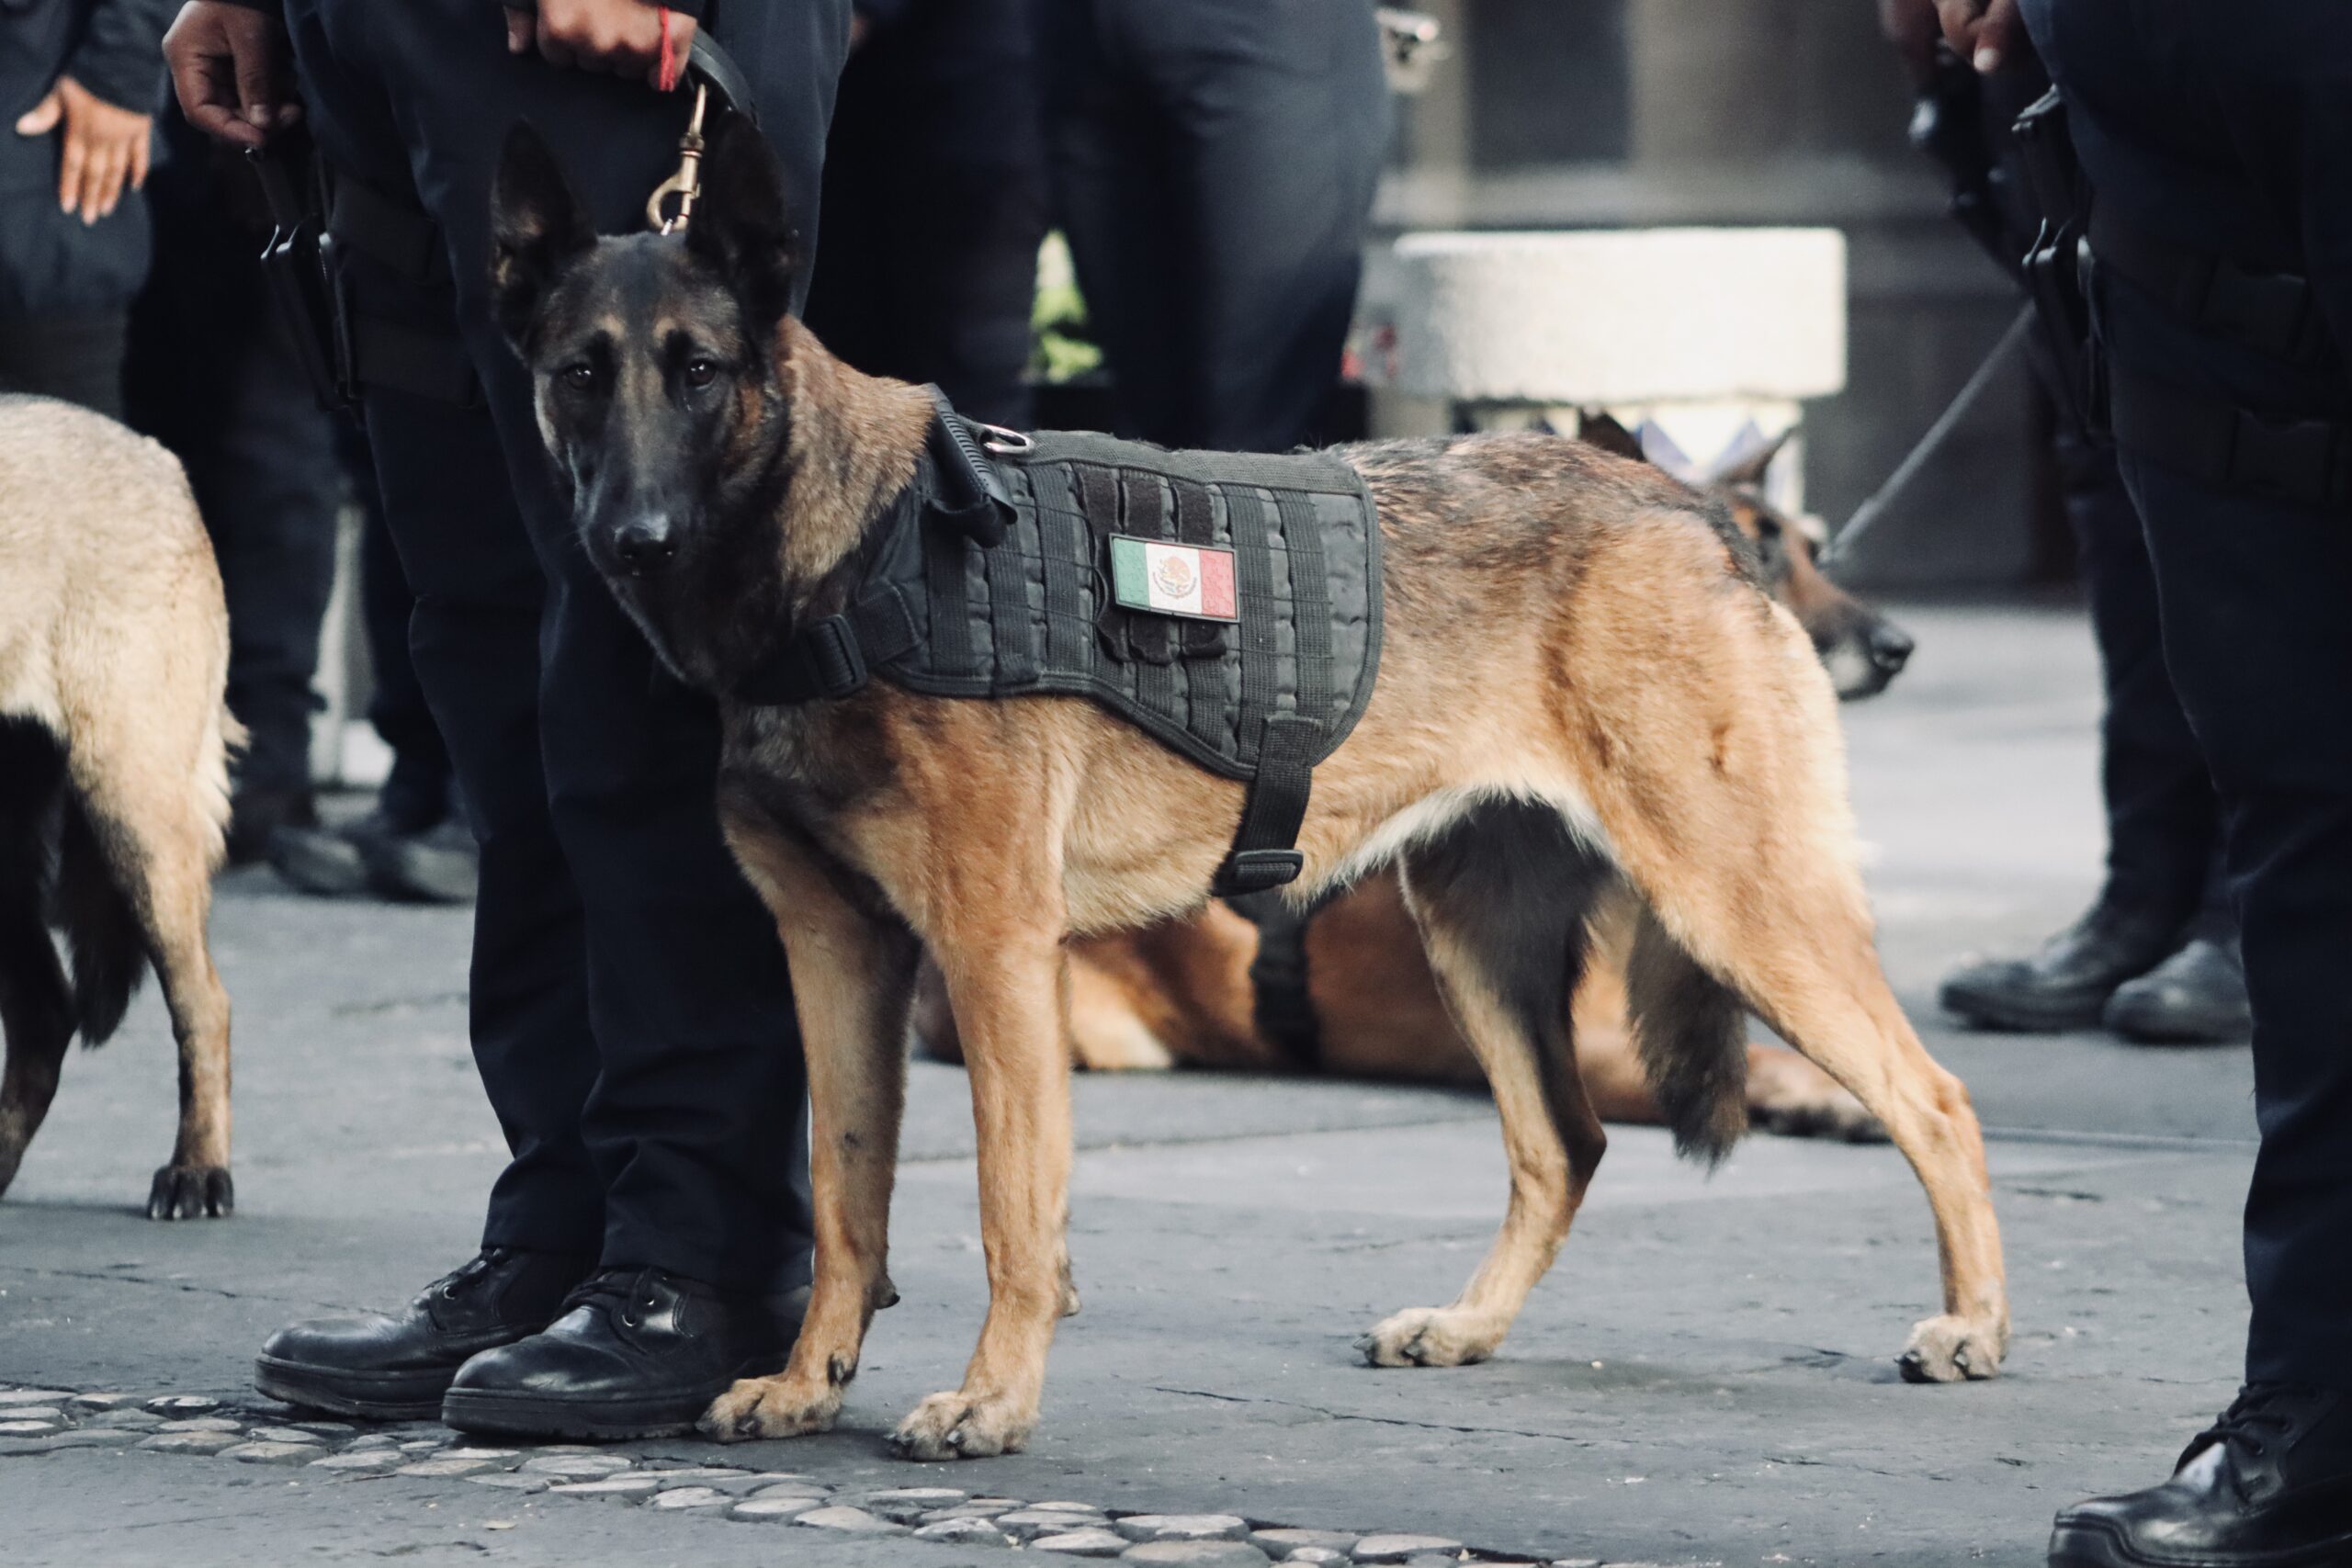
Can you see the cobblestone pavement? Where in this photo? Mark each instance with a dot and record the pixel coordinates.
(1706, 1378)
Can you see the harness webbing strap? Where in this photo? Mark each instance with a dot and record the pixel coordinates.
(1196, 524)
(1010, 630)
(2305, 460)
(1061, 529)
(1310, 592)
(1143, 515)
(1204, 640)
(1098, 503)
(945, 573)
(1271, 811)
(1245, 515)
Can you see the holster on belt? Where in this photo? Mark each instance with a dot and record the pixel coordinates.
(293, 185)
(2057, 269)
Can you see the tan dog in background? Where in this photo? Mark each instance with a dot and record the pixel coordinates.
(114, 772)
(1193, 991)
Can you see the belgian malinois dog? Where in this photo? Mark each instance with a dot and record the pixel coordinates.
(114, 772)
(1581, 682)
(1343, 989)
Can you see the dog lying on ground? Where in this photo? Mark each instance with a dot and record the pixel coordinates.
(1581, 682)
(1343, 989)
(114, 772)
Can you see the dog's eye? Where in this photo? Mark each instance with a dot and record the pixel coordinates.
(580, 378)
(701, 373)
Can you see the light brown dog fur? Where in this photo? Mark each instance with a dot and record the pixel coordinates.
(114, 650)
(1183, 992)
(1576, 656)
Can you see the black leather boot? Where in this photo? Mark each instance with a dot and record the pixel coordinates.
(2067, 982)
(396, 1369)
(2268, 1485)
(638, 1353)
(2195, 998)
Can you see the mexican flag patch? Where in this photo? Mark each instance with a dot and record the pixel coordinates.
(1194, 580)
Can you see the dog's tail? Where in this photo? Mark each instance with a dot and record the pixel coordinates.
(102, 931)
(1690, 1032)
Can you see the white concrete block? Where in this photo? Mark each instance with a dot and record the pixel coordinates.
(1614, 317)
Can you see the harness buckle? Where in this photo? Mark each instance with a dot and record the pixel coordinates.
(686, 183)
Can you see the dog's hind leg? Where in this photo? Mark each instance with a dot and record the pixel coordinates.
(36, 1012)
(852, 974)
(138, 834)
(1502, 899)
(1747, 861)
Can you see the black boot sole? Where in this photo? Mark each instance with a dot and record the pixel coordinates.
(519, 1413)
(2021, 1015)
(374, 1396)
(2091, 1546)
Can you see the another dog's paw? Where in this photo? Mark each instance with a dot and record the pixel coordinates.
(1431, 1336)
(192, 1192)
(1949, 1349)
(770, 1408)
(960, 1426)
(1788, 1095)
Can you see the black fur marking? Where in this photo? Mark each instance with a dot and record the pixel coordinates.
(1516, 887)
(36, 1012)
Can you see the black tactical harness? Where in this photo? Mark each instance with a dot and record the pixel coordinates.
(989, 577)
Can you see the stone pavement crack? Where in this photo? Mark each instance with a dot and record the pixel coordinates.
(1377, 1420)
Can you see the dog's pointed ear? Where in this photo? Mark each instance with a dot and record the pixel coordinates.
(1603, 431)
(537, 224)
(740, 227)
(1749, 469)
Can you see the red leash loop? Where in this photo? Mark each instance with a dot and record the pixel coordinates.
(666, 77)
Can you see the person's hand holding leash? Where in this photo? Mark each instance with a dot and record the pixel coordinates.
(232, 67)
(627, 38)
(1983, 32)
(105, 147)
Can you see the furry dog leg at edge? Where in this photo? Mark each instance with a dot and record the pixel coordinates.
(114, 772)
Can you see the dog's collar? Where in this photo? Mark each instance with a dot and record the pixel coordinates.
(955, 486)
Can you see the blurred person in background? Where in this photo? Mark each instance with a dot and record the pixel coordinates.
(2215, 143)
(213, 372)
(2155, 958)
(78, 82)
(1213, 165)
(935, 202)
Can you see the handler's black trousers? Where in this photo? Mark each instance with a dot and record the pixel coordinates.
(632, 1017)
(1213, 164)
(2163, 823)
(2224, 127)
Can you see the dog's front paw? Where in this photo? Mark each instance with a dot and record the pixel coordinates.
(770, 1408)
(192, 1192)
(1431, 1336)
(957, 1424)
(1949, 1349)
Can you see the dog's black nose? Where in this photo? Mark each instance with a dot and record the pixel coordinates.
(1890, 648)
(645, 545)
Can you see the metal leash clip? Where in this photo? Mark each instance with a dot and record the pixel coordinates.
(686, 183)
